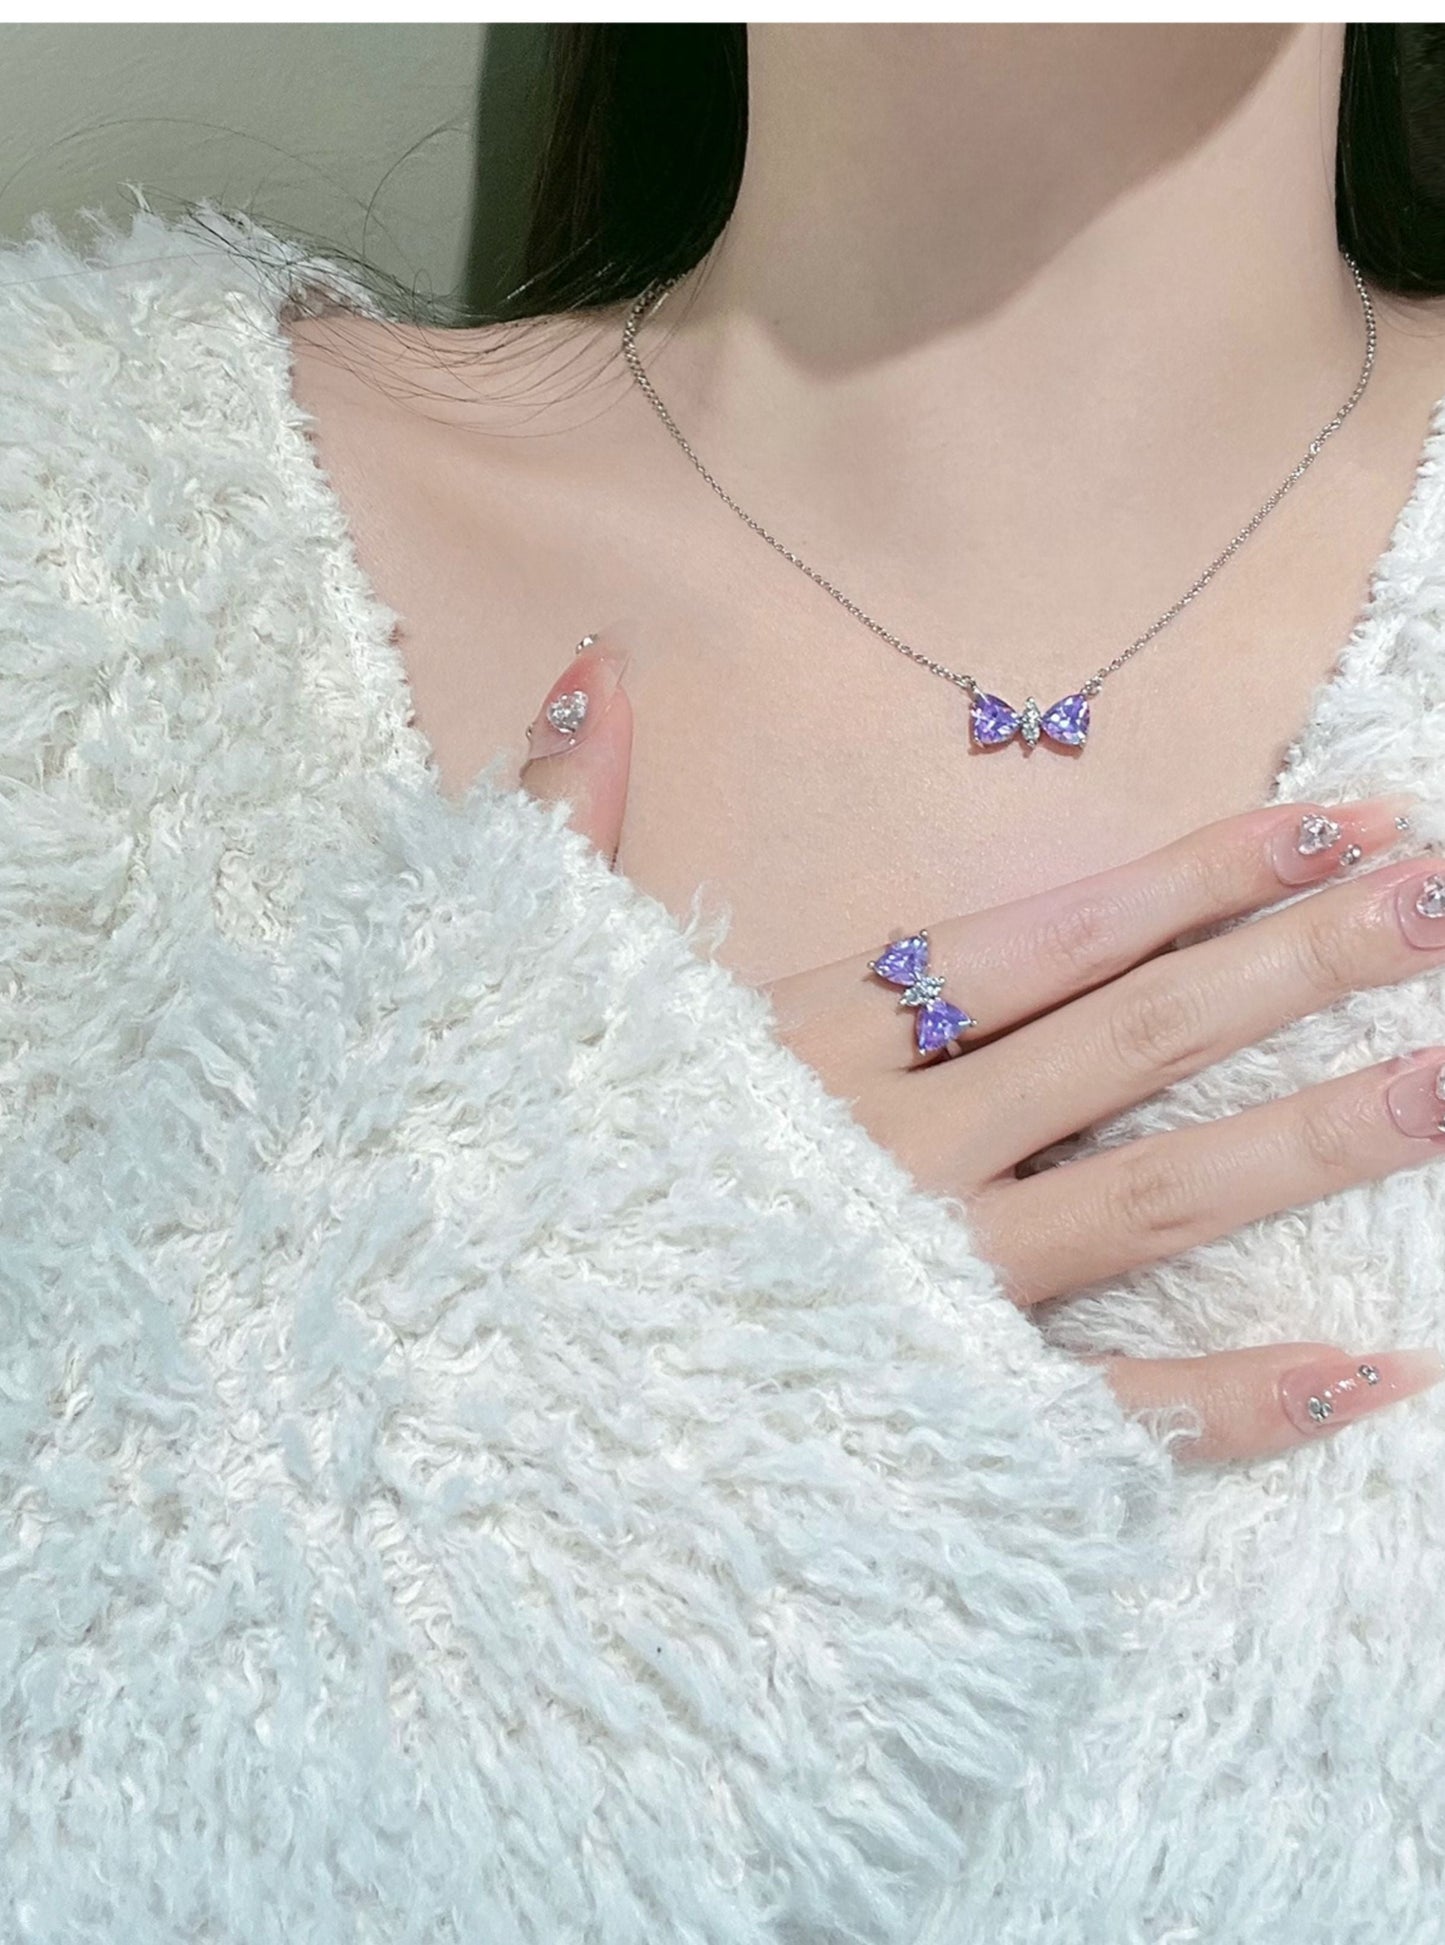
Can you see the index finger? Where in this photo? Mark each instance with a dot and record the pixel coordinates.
(1013, 961)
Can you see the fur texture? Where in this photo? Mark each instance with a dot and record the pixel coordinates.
(489, 1450)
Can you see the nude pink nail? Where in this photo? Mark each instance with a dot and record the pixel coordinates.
(577, 699)
(1422, 910)
(1334, 1390)
(1319, 841)
(1416, 1098)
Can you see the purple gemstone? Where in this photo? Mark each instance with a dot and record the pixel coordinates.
(993, 721)
(938, 1023)
(903, 961)
(1068, 720)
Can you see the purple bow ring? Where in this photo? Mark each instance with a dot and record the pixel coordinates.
(994, 722)
(905, 963)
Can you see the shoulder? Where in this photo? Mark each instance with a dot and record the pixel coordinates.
(476, 469)
(142, 365)
(427, 429)
(133, 299)
(128, 366)
(126, 271)
(209, 340)
(155, 330)
(378, 368)
(132, 344)
(149, 469)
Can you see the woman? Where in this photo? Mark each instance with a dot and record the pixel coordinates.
(519, 1426)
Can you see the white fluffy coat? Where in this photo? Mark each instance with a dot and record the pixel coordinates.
(489, 1450)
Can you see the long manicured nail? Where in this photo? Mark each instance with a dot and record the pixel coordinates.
(1317, 841)
(1335, 1389)
(1422, 909)
(1416, 1097)
(577, 699)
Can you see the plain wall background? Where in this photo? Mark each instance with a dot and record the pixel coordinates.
(306, 125)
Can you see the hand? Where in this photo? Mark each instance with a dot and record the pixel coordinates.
(1083, 1010)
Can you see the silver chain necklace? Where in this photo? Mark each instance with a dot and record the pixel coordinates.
(991, 719)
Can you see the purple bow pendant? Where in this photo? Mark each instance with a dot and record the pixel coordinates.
(905, 963)
(994, 722)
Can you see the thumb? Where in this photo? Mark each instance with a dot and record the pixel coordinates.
(580, 745)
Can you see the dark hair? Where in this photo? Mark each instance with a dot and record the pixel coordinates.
(645, 129)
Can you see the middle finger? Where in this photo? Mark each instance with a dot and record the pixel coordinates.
(1176, 1014)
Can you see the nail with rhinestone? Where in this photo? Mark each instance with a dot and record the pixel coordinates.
(578, 699)
(1415, 1095)
(1316, 833)
(1402, 823)
(1305, 850)
(1335, 1389)
(568, 712)
(1314, 842)
(1421, 907)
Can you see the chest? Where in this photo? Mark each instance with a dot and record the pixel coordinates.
(826, 792)
(807, 777)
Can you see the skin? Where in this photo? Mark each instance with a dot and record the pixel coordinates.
(997, 306)
(1086, 1002)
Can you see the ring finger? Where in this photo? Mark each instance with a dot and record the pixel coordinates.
(1011, 962)
(1104, 1215)
(1160, 1022)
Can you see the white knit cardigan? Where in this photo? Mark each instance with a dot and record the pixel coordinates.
(489, 1450)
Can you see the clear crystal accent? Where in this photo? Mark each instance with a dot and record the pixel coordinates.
(1316, 833)
(569, 712)
(1369, 1374)
(1431, 902)
(923, 990)
(1320, 1409)
(1031, 719)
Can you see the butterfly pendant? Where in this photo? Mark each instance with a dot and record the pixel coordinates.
(905, 963)
(994, 722)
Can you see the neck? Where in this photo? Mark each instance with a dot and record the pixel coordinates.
(961, 254)
(902, 182)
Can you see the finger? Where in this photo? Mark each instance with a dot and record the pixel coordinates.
(1080, 1222)
(1123, 1042)
(1016, 960)
(1233, 1405)
(580, 745)
(1012, 962)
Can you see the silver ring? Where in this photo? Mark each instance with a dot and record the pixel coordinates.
(937, 1023)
